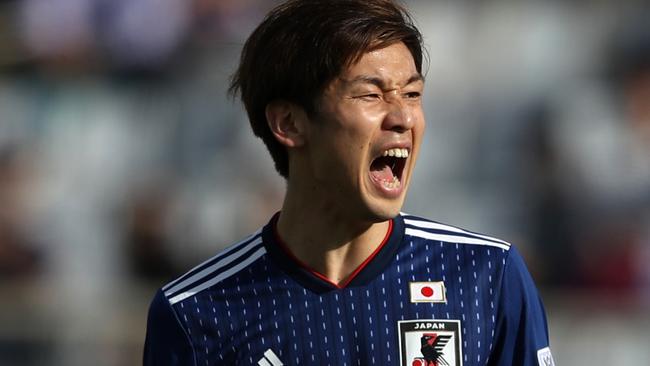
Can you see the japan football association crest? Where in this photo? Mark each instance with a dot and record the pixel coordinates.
(430, 343)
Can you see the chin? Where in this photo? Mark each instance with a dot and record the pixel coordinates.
(382, 211)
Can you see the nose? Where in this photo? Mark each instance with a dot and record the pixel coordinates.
(399, 116)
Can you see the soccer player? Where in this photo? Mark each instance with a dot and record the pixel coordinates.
(339, 276)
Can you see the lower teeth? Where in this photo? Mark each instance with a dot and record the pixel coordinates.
(395, 183)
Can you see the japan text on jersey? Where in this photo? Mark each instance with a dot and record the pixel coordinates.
(431, 295)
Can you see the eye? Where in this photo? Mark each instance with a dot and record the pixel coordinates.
(412, 95)
(370, 96)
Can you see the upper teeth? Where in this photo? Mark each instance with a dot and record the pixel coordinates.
(396, 152)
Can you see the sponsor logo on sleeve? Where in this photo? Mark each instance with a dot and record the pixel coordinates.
(430, 343)
(544, 357)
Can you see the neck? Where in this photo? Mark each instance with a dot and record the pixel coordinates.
(326, 238)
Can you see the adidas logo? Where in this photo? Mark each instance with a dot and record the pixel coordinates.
(269, 359)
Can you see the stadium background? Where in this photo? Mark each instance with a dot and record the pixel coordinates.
(123, 162)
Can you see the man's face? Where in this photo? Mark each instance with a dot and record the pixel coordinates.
(363, 144)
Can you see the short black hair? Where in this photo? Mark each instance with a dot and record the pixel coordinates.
(302, 45)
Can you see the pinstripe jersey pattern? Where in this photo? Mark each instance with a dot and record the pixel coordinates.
(253, 305)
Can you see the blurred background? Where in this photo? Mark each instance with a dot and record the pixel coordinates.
(123, 163)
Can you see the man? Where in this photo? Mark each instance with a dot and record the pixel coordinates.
(339, 276)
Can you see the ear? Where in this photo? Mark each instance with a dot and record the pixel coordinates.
(287, 122)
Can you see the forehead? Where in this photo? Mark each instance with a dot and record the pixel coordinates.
(393, 63)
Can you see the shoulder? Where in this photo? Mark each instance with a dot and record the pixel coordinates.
(166, 342)
(230, 261)
(429, 230)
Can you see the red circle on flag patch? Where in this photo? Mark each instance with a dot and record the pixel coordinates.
(418, 363)
(426, 291)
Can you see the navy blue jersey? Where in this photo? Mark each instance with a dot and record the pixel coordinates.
(430, 295)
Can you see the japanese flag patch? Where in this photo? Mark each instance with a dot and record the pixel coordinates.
(428, 292)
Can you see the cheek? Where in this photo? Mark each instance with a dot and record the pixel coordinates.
(356, 132)
(347, 137)
(419, 125)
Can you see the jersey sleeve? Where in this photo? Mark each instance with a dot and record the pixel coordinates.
(521, 336)
(166, 342)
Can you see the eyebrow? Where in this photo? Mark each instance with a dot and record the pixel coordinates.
(366, 79)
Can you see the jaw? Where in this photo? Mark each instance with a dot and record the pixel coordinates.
(355, 189)
(380, 206)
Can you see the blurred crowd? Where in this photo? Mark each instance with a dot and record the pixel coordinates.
(123, 162)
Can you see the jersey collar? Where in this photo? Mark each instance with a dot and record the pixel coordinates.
(372, 267)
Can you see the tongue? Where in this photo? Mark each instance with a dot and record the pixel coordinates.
(381, 171)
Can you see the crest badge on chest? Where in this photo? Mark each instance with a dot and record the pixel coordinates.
(430, 342)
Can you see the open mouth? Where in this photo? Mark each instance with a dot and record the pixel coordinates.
(388, 168)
